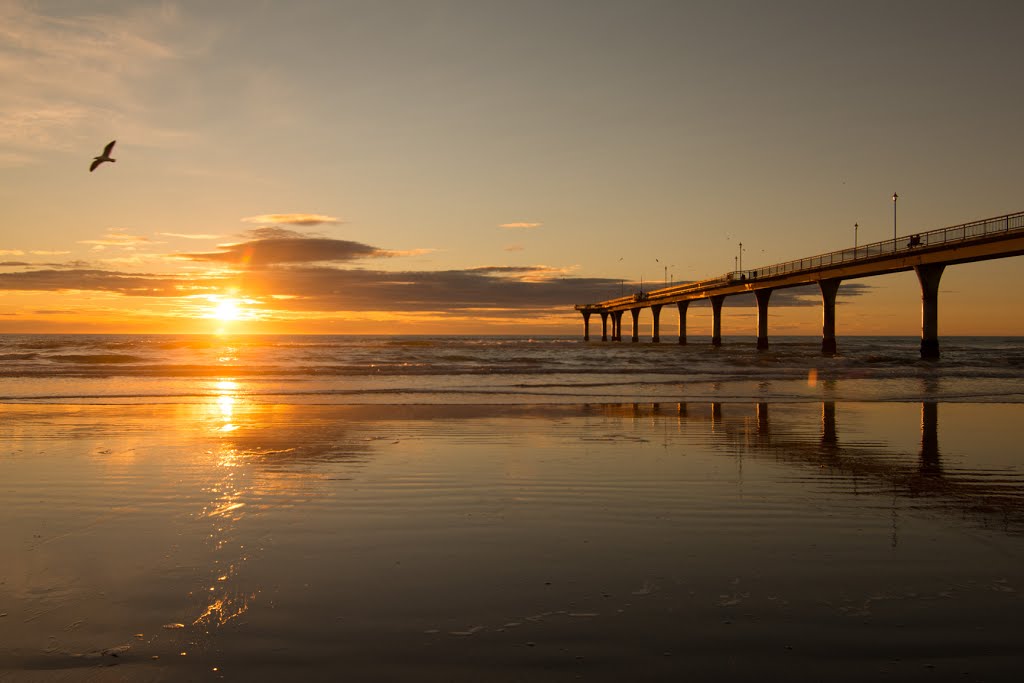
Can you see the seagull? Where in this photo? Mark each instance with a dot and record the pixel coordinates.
(96, 161)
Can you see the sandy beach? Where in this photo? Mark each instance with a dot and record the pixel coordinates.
(245, 541)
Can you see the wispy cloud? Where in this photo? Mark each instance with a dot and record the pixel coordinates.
(523, 225)
(305, 219)
(11, 252)
(75, 74)
(117, 238)
(190, 235)
(513, 247)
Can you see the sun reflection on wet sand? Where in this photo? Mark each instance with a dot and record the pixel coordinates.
(231, 490)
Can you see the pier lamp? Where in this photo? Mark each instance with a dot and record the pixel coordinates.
(855, 226)
(894, 198)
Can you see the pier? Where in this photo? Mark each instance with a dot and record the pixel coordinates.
(926, 253)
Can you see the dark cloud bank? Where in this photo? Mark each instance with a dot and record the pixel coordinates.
(298, 269)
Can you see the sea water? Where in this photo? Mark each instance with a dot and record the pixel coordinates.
(498, 370)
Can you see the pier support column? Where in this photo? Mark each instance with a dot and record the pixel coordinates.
(828, 288)
(716, 322)
(604, 326)
(762, 296)
(656, 312)
(682, 306)
(617, 326)
(635, 312)
(586, 326)
(929, 277)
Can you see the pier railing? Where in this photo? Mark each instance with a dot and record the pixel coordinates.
(907, 243)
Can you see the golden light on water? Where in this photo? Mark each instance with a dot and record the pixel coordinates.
(225, 397)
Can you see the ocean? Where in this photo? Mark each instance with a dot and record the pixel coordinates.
(498, 370)
(188, 508)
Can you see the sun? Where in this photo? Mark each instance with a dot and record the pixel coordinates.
(227, 310)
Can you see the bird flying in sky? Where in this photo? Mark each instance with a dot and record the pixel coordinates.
(96, 161)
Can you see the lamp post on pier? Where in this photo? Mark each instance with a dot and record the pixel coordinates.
(894, 198)
(855, 226)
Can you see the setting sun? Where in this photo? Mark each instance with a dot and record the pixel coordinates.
(227, 310)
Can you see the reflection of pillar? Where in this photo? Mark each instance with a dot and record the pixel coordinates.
(656, 312)
(930, 438)
(762, 419)
(716, 321)
(828, 423)
(682, 306)
(682, 410)
(829, 288)
(762, 296)
(604, 326)
(716, 412)
(586, 325)
(929, 278)
(636, 323)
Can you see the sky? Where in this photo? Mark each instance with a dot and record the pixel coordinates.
(479, 167)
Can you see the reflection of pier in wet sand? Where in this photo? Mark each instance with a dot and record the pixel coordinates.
(996, 499)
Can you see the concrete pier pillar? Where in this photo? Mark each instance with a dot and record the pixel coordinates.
(656, 312)
(617, 326)
(635, 312)
(682, 306)
(604, 326)
(586, 326)
(716, 323)
(828, 288)
(762, 296)
(929, 277)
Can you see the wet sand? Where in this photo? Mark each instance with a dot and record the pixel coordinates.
(730, 541)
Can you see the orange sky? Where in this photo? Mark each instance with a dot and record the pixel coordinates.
(477, 167)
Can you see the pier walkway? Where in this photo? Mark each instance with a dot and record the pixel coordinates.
(926, 253)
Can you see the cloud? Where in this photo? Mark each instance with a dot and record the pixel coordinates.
(9, 264)
(306, 219)
(11, 252)
(404, 252)
(498, 288)
(513, 247)
(117, 238)
(190, 236)
(44, 252)
(77, 75)
(129, 284)
(278, 245)
(520, 225)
